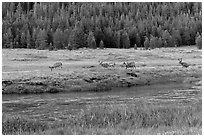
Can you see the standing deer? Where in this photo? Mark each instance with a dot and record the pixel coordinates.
(129, 65)
(184, 64)
(56, 65)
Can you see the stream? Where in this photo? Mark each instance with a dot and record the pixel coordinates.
(59, 106)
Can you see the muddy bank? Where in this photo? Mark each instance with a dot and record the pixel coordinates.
(97, 80)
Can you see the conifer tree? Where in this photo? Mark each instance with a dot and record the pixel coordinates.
(152, 42)
(28, 40)
(91, 40)
(7, 39)
(41, 40)
(186, 36)
(125, 40)
(101, 45)
(58, 39)
(118, 39)
(176, 37)
(66, 34)
(34, 42)
(146, 43)
(135, 46)
(77, 37)
(166, 37)
(199, 42)
(175, 23)
(159, 42)
(23, 40)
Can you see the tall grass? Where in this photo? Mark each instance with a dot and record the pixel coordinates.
(121, 118)
(127, 116)
(20, 125)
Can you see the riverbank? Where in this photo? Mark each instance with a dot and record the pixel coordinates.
(101, 81)
(26, 71)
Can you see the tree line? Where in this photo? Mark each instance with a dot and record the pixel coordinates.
(73, 25)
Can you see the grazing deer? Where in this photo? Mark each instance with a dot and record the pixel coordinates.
(103, 64)
(112, 64)
(129, 65)
(56, 65)
(184, 64)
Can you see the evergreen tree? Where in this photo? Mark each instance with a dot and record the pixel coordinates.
(165, 43)
(138, 40)
(28, 40)
(159, 42)
(118, 39)
(77, 37)
(199, 42)
(69, 47)
(34, 42)
(175, 23)
(41, 41)
(58, 39)
(135, 46)
(108, 37)
(186, 36)
(166, 35)
(23, 40)
(152, 42)
(146, 43)
(91, 40)
(99, 35)
(101, 45)
(176, 37)
(66, 34)
(7, 39)
(125, 40)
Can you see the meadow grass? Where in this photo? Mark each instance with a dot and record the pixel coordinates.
(20, 125)
(113, 119)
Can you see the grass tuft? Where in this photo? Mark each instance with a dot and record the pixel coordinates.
(20, 125)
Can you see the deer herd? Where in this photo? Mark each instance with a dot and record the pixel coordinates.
(112, 65)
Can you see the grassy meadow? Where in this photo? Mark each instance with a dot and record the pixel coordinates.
(90, 99)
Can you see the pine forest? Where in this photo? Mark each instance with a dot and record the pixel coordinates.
(73, 25)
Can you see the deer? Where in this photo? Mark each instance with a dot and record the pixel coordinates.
(184, 64)
(56, 65)
(112, 64)
(129, 65)
(103, 64)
